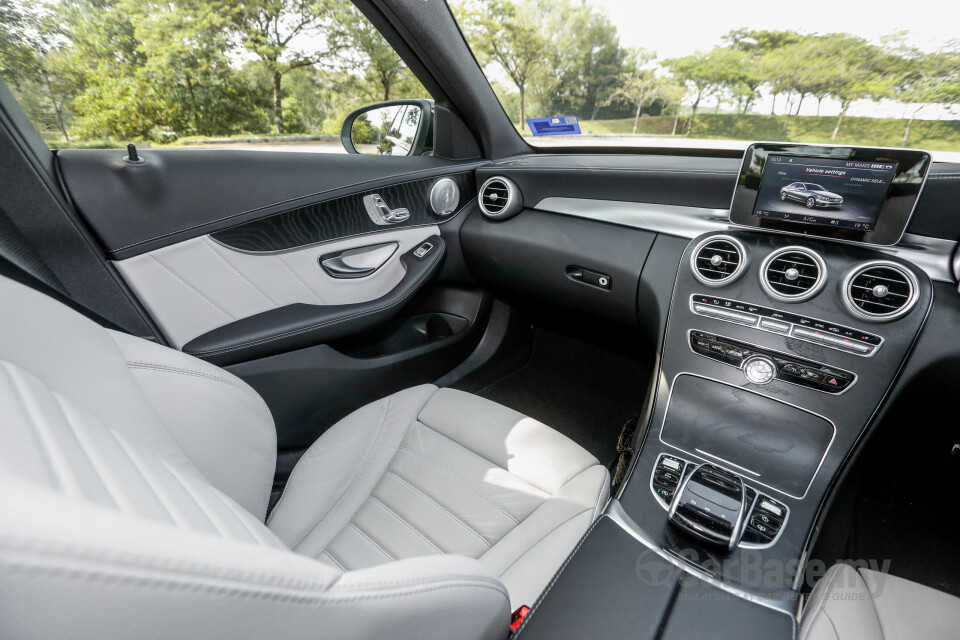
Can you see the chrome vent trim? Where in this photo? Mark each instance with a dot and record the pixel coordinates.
(718, 260)
(500, 198)
(793, 274)
(879, 291)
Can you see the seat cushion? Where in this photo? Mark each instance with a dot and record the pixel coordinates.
(860, 604)
(436, 471)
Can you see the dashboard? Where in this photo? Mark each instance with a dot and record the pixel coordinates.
(781, 325)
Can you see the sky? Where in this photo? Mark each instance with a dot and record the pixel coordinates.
(681, 27)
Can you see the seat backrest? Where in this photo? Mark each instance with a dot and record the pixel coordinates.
(61, 373)
(133, 487)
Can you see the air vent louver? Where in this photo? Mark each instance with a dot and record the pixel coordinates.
(880, 291)
(499, 198)
(718, 261)
(793, 274)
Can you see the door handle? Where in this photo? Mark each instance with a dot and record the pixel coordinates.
(380, 213)
(337, 268)
(359, 262)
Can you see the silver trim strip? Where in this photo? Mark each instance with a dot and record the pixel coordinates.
(933, 255)
(622, 519)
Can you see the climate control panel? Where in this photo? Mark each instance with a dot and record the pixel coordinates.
(785, 323)
(762, 366)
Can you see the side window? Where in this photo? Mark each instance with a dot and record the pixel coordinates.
(199, 74)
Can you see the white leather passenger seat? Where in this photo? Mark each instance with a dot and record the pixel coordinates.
(134, 483)
(860, 604)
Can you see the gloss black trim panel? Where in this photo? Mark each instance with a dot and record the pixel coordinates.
(343, 217)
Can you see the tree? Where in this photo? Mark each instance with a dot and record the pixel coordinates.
(369, 52)
(927, 79)
(759, 44)
(508, 35)
(272, 29)
(589, 58)
(705, 74)
(856, 70)
(18, 46)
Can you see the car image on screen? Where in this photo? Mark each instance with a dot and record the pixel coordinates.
(811, 195)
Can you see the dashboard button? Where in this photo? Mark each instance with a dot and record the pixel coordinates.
(808, 334)
(773, 325)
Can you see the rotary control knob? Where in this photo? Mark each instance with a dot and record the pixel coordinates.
(759, 370)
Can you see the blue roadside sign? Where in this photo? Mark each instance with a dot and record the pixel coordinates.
(556, 126)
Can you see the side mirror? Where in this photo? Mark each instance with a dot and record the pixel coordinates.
(392, 128)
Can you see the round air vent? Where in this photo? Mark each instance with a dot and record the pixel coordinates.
(500, 198)
(879, 291)
(793, 274)
(718, 260)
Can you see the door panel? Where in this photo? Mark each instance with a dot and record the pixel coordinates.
(195, 286)
(175, 195)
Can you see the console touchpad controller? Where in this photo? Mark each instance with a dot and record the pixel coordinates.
(710, 505)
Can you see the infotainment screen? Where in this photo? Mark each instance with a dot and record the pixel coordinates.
(838, 193)
(849, 193)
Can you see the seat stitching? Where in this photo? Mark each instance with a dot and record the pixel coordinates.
(346, 486)
(193, 288)
(556, 576)
(541, 539)
(483, 457)
(821, 604)
(596, 504)
(461, 482)
(199, 374)
(308, 595)
(39, 431)
(327, 553)
(206, 241)
(300, 280)
(370, 539)
(100, 468)
(257, 535)
(215, 519)
(176, 515)
(414, 529)
(440, 506)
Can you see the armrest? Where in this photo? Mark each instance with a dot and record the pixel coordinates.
(297, 326)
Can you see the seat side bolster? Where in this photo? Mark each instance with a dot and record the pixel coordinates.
(910, 610)
(528, 556)
(186, 585)
(340, 470)
(840, 608)
(221, 424)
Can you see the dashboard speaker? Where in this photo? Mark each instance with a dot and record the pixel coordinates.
(444, 197)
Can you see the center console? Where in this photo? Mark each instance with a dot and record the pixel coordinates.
(784, 335)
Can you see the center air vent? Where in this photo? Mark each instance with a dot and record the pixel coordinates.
(880, 291)
(718, 260)
(500, 198)
(793, 274)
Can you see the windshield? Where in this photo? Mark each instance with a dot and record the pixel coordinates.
(709, 74)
